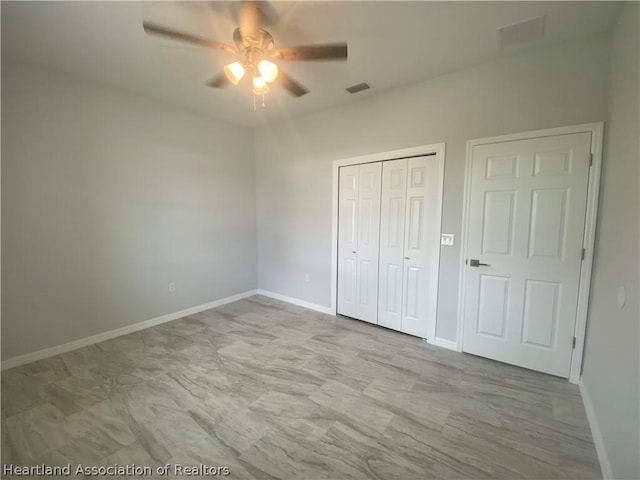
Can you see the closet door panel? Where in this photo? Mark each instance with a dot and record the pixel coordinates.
(388, 243)
(421, 233)
(348, 241)
(368, 244)
(392, 233)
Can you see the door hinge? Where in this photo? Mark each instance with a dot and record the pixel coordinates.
(574, 343)
(590, 160)
(584, 251)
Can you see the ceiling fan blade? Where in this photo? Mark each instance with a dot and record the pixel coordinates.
(331, 51)
(219, 81)
(294, 88)
(186, 37)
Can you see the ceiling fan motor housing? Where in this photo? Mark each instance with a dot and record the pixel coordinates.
(260, 40)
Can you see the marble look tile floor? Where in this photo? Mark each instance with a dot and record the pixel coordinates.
(272, 390)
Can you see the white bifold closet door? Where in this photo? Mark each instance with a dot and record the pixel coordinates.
(359, 240)
(409, 245)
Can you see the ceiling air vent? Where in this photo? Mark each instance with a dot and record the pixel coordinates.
(521, 32)
(358, 88)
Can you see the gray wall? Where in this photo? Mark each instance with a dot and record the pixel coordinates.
(610, 370)
(106, 197)
(560, 86)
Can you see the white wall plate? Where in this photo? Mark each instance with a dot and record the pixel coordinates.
(447, 239)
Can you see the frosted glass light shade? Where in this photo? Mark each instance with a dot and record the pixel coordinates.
(234, 72)
(260, 86)
(268, 70)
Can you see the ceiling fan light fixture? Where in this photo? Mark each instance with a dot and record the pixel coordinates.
(234, 72)
(268, 70)
(255, 48)
(260, 86)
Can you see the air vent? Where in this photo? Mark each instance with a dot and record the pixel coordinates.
(521, 32)
(358, 88)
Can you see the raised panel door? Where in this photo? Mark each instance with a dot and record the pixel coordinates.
(392, 232)
(526, 223)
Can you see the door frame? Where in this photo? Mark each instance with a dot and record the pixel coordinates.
(596, 130)
(437, 150)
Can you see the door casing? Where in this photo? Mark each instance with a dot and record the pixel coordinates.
(596, 130)
(437, 149)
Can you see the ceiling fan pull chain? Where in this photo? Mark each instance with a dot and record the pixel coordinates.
(254, 102)
(263, 104)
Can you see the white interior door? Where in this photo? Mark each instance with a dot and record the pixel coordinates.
(422, 247)
(526, 223)
(410, 245)
(392, 221)
(348, 241)
(358, 241)
(368, 241)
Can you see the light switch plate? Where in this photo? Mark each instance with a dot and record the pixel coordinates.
(447, 239)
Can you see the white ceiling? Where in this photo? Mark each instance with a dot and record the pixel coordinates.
(390, 44)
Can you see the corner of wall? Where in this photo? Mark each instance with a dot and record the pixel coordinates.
(601, 449)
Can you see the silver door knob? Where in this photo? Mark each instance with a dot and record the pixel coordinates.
(474, 262)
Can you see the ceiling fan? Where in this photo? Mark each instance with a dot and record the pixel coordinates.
(257, 53)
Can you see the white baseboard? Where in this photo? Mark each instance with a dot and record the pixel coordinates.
(101, 337)
(444, 343)
(295, 301)
(601, 450)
